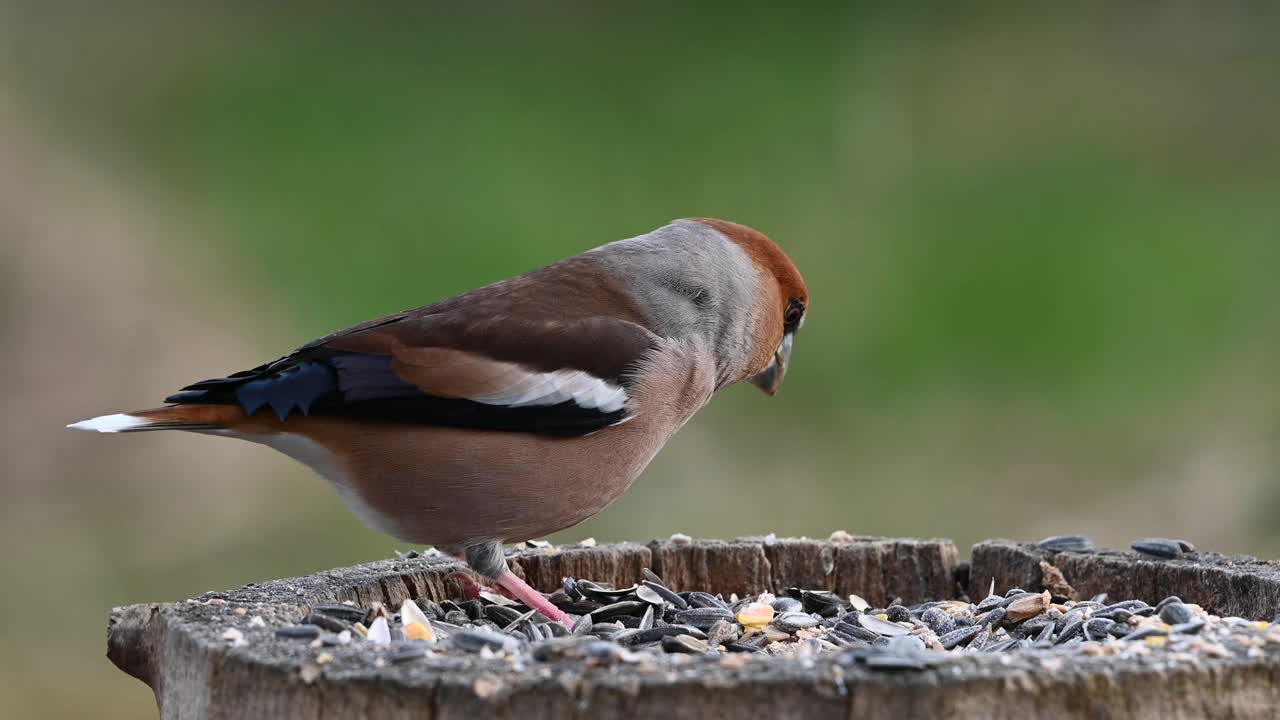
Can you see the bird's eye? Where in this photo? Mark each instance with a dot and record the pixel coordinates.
(794, 314)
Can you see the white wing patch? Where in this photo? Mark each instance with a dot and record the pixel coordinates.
(552, 388)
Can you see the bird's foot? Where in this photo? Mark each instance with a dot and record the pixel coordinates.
(511, 586)
(534, 599)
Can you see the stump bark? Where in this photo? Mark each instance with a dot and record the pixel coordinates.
(179, 649)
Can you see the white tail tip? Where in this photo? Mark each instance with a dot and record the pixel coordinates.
(109, 423)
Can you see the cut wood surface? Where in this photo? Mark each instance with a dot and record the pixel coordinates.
(1222, 584)
(179, 648)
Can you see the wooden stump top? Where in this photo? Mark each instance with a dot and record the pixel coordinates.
(180, 650)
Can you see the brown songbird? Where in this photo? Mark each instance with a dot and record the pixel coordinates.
(520, 408)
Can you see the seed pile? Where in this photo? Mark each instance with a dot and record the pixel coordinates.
(649, 620)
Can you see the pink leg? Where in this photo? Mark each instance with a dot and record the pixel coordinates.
(534, 599)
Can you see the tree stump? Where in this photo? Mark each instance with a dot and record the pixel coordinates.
(181, 650)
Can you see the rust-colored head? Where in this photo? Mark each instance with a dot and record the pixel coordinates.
(781, 305)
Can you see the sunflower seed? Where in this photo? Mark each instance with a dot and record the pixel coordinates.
(326, 622)
(1066, 543)
(1157, 547)
(880, 626)
(706, 600)
(684, 644)
(1098, 628)
(790, 622)
(856, 632)
(722, 632)
(1192, 627)
(938, 621)
(622, 607)
(663, 592)
(959, 636)
(582, 626)
(1069, 631)
(786, 605)
(299, 632)
(1175, 613)
(473, 640)
(993, 618)
(703, 617)
(1145, 632)
(349, 613)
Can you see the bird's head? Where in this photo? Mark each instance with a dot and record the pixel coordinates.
(778, 305)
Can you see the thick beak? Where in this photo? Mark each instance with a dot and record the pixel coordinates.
(770, 379)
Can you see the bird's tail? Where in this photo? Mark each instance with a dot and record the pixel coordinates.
(171, 417)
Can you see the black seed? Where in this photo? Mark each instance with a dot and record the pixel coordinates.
(988, 603)
(1046, 635)
(856, 631)
(1010, 599)
(676, 601)
(501, 614)
(1119, 615)
(959, 636)
(555, 630)
(473, 608)
(1066, 543)
(897, 613)
(582, 626)
(993, 618)
(645, 637)
(1157, 547)
(786, 604)
(1191, 627)
(1175, 613)
(349, 613)
(515, 622)
(1033, 626)
(938, 621)
(601, 650)
(684, 644)
(1145, 632)
(792, 621)
(457, 617)
(646, 621)
(326, 622)
(1171, 599)
(980, 641)
(602, 594)
(473, 640)
(1000, 646)
(299, 632)
(706, 600)
(737, 647)
(1098, 628)
(406, 654)
(570, 586)
(622, 607)
(722, 632)
(1100, 598)
(880, 626)
(703, 617)
(1069, 631)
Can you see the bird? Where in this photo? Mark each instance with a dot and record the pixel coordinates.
(520, 408)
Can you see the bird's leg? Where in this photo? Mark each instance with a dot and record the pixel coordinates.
(488, 560)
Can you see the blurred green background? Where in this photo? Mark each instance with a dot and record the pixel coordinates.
(1041, 244)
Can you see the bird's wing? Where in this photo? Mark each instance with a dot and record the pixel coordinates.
(520, 355)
